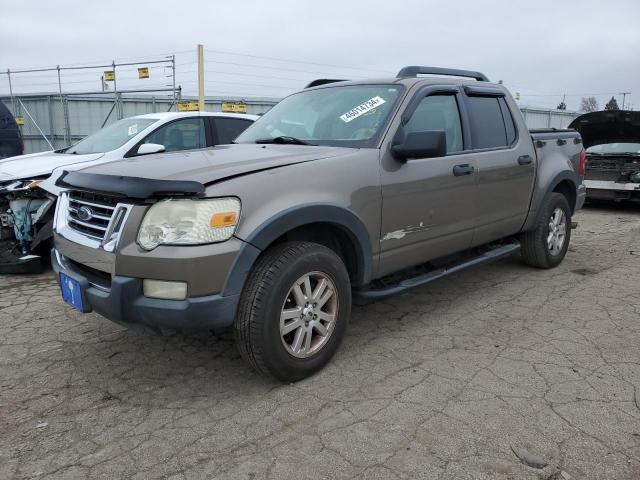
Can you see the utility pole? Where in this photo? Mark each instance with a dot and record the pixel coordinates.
(624, 95)
(201, 77)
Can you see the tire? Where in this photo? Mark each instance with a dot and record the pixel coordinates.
(283, 348)
(536, 249)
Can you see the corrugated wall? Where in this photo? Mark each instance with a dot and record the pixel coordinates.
(88, 114)
(540, 118)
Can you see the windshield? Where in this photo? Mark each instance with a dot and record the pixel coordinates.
(112, 137)
(613, 148)
(347, 116)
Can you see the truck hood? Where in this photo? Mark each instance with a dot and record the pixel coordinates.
(597, 128)
(39, 164)
(211, 165)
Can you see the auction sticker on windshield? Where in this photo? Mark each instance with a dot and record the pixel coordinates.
(361, 109)
(133, 129)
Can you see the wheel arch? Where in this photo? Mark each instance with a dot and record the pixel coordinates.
(334, 226)
(563, 182)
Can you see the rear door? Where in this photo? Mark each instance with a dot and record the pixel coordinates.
(505, 162)
(226, 129)
(428, 204)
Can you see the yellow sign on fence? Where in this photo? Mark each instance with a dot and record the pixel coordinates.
(187, 106)
(109, 75)
(20, 120)
(143, 72)
(238, 107)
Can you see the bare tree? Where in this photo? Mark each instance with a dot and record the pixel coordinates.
(589, 104)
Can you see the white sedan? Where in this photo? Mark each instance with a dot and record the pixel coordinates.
(26, 212)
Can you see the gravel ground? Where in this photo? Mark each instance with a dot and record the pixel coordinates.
(449, 381)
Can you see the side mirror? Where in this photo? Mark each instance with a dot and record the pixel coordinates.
(432, 143)
(147, 148)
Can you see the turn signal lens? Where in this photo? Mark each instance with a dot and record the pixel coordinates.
(223, 219)
(33, 184)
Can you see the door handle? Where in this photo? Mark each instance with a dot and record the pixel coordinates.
(464, 169)
(525, 160)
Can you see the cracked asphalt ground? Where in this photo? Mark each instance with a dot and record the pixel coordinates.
(444, 382)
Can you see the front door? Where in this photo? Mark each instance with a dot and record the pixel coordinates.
(428, 204)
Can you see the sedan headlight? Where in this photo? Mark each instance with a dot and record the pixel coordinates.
(189, 222)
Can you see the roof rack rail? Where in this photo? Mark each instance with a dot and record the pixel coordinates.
(323, 81)
(414, 71)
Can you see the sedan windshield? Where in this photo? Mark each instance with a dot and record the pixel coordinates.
(615, 148)
(112, 137)
(348, 116)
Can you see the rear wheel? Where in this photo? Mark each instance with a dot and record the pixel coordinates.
(294, 310)
(547, 244)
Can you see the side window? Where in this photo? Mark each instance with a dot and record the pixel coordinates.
(508, 121)
(487, 125)
(229, 128)
(186, 134)
(438, 112)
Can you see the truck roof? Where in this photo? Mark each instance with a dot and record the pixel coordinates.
(409, 76)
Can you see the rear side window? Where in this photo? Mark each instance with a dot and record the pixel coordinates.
(508, 121)
(187, 134)
(487, 124)
(229, 128)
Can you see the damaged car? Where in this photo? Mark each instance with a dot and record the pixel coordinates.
(612, 142)
(27, 182)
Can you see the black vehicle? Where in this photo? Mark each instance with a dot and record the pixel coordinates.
(612, 140)
(11, 143)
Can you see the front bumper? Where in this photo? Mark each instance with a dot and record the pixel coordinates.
(609, 185)
(123, 302)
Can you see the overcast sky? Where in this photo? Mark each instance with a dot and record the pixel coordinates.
(542, 49)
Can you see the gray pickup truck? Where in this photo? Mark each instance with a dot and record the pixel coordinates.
(343, 190)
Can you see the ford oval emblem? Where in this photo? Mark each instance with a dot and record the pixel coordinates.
(85, 214)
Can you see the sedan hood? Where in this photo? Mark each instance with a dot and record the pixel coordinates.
(39, 164)
(211, 165)
(609, 126)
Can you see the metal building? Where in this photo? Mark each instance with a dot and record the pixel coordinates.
(544, 118)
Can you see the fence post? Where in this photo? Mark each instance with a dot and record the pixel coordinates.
(13, 100)
(52, 130)
(65, 113)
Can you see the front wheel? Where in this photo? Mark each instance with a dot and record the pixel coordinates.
(546, 245)
(294, 310)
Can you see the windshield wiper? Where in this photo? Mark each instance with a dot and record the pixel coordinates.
(284, 140)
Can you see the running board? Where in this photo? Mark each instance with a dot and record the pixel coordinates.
(412, 282)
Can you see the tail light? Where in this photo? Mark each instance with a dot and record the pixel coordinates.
(583, 162)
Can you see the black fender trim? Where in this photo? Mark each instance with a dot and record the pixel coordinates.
(535, 209)
(290, 219)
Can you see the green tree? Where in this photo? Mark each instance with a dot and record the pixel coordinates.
(612, 104)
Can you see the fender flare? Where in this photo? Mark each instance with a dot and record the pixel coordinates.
(294, 217)
(555, 181)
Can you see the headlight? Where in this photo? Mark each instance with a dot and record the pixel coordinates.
(189, 222)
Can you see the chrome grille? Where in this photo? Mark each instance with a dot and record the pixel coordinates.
(90, 213)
